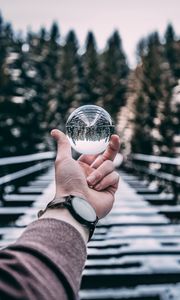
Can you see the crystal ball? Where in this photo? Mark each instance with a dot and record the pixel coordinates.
(89, 129)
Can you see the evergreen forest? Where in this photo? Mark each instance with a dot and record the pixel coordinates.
(44, 77)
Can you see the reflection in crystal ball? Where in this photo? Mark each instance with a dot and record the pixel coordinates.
(89, 128)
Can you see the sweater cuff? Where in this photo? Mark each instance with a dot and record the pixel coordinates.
(61, 243)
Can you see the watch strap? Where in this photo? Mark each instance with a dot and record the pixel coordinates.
(66, 203)
(55, 203)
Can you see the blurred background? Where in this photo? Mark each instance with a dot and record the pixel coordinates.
(123, 56)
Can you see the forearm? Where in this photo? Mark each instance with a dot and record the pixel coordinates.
(46, 260)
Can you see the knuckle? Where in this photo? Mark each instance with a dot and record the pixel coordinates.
(107, 167)
(102, 158)
(109, 164)
(57, 161)
(98, 175)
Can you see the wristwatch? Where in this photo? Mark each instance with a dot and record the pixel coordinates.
(79, 208)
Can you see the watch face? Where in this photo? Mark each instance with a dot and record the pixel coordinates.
(83, 209)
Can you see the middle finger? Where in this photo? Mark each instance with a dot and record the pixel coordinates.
(98, 174)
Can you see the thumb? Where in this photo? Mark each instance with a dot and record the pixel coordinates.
(63, 145)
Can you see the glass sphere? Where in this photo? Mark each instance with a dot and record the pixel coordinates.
(89, 128)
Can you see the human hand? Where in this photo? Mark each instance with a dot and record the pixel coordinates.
(91, 177)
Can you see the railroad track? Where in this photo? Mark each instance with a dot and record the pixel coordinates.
(135, 250)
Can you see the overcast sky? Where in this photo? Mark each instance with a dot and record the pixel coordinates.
(133, 18)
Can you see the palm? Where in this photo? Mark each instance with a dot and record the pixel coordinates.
(72, 177)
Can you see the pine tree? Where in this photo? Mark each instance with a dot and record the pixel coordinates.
(26, 125)
(6, 41)
(3, 76)
(153, 98)
(92, 70)
(175, 114)
(114, 76)
(172, 50)
(160, 94)
(53, 52)
(71, 89)
(142, 141)
(8, 109)
(44, 58)
(169, 116)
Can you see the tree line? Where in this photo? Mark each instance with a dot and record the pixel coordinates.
(156, 95)
(44, 76)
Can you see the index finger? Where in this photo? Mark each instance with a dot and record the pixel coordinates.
(88, 159)
(109, 153)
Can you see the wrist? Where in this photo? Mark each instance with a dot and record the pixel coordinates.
(62, 214)
(63, 194)
(80, 213)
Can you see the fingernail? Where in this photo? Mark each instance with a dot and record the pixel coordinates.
(53, 131)
(91, 179)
